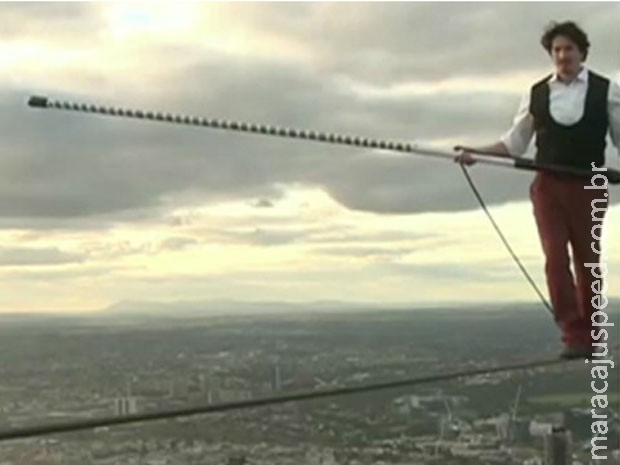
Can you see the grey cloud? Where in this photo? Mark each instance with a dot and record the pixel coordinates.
(47, 274)
(335, 235)
(70, 166)
(177, 243)
(256, 236)
(330, 237)
(355, 251)
(377, 245)
(379, 42)
(66, 22)
(122, 249)
(26, 256)
(448, 271)
(266, 238)
(263, 203)
(383, 43)
(409, 186)
(126, 248)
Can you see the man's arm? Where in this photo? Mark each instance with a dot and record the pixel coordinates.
(613, 109)
(498, 148)
(517, 139)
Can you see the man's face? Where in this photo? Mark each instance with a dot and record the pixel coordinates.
(566, 56)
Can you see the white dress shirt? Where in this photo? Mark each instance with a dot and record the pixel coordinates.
(566, 105)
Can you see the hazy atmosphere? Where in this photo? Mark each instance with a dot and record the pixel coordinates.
(97, 210)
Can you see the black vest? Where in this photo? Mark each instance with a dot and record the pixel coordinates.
(580, 144)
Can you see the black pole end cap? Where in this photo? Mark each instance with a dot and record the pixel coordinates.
(37, 101)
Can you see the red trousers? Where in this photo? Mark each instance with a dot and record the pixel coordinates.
(564, 216)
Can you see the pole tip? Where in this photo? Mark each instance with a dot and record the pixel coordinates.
(37, 101)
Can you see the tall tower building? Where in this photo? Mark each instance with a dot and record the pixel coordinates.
(558, 447)
(276, 382)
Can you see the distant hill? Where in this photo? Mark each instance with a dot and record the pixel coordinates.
(197, 308)
(221, 308)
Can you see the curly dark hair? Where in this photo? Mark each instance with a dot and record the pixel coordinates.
(567, 29)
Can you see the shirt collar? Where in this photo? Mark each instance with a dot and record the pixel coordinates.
(581, 77)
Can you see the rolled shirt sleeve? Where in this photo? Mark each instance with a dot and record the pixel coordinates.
(517, 139)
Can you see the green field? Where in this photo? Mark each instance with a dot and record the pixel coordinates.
(573, 399)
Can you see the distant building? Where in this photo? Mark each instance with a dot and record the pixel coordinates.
(276, 381)
(578, 421)
(540, 428)
(520, 431)
(125, 406)
(557, 447)
(237, 460)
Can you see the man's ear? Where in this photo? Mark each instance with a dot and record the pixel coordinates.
(584, 54)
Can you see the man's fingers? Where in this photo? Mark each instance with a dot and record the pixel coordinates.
(464, 158)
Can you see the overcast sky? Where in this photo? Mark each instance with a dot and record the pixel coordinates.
(95, 210)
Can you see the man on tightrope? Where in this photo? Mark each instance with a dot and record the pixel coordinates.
(570, 113)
